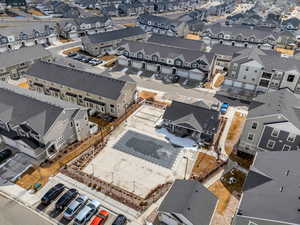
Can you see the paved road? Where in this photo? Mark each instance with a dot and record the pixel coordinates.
(12, 213)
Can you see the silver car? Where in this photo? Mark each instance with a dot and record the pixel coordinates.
(87, 212)
(74, 206)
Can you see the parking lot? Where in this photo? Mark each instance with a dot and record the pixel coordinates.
(57, 215)
(137, 158)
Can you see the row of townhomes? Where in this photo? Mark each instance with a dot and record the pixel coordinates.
(136, 7)
(179, 26)
(85, 25)
(13, 38)
(39, 125)
(246, 36)
(157, 58)
(102, 43)
(100, 93)
(13, 64)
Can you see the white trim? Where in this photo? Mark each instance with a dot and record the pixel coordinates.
(270, 141)
(288, 146)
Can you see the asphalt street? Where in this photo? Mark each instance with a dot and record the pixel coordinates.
(12, 213)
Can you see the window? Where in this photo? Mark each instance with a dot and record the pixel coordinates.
(247, 68)
(270, 144)
(264, 83)
(275, 133)
(155, 58)
(291, 78)
(254, 125)
(250, 137)
(291, 138)
(286, 148)
(178, 62)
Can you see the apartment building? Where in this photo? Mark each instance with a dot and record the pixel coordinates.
(38, 125)
(273, 123)
(13, 64)
(98, 92)
(253, 71)
(271, 191)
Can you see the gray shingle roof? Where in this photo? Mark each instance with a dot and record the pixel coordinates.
(93, 83)
(246, 31)
(192, 200)
(91, 20)
(18, 105)
(282, 102)
(22, 55)
(194, 116)
(263, 198)
(167, 51)
(115, 35)
(177, 42)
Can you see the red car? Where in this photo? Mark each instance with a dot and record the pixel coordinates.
(100, 218)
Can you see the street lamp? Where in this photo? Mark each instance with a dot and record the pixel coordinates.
(186, 166)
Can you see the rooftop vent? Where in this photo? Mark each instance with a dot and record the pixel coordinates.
(281, 189)
(287, 172)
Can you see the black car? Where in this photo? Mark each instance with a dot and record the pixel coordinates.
(53, 193)
(73, 54)
(5, 154)
(120, 220)
(66, 199)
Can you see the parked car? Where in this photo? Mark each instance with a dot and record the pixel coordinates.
(5, 154)
(158, 76)
(120, 220)
(86, 213)
(74, 207)
(72, 54)
(66, 199)
(53, 193)
(224, 108)
(100, 218)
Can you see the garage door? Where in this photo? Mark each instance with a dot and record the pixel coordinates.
(228, 82)
(249, 86)
(237, 84)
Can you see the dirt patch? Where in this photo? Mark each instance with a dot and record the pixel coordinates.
(71, 50)
(192, 37)
(219, 80)
(204, 165)
(222, 193)
(233, 137)
(99, 121)
(24, 85)
(107, 57)
(235, 187)
(147, 95)
(35, 12)
(64, 40)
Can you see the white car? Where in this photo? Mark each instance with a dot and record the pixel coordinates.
(74, 207)
(86, 213)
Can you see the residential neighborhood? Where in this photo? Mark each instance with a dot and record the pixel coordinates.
(149, 112)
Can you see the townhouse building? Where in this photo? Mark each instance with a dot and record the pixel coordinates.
(38, 125)
(243, 36)
(100, 93)
(167, 60)
(254, 71)
(13, 38)
(85, 26)
(197, 204)
(13, 64)
(273, 123)
(163, 25)
(102, 43)
(271, 191)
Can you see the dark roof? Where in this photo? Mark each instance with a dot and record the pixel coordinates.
(177, 42)
(115, 35)
(191, 199)
(271, 191)
(22, 55)
(19, 105)
(197, 117)
(93, 83)
(167, 51)
(282, 102)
